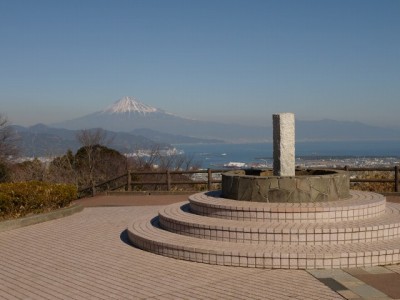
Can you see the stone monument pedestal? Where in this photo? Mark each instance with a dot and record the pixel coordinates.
(304, 220)
(305, 186)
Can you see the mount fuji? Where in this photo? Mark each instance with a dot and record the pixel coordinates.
(128, 114)
(125, 115)
(130, 105)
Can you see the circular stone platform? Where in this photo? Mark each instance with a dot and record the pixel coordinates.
(306, 186)
(359, 231)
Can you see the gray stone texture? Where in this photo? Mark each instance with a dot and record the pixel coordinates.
(284, 147)
(306, 186)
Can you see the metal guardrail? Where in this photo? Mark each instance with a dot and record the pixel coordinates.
(175, 178)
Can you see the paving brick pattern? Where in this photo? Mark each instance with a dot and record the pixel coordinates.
(363, 231)
(86, 256)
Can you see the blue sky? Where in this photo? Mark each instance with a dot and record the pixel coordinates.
(227, 60)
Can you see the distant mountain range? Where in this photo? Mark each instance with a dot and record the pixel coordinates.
(41, 140)
(331, 130)
(132, 125)
(130, 115)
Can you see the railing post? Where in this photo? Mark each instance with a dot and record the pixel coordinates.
(168, 181)
(209, 179)
(129, 181)
(396, 178)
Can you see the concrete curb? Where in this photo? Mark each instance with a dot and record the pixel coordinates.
(26, 221)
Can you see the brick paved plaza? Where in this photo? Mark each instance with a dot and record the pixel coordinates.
(87, 256)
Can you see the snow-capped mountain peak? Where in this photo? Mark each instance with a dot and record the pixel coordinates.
(129, 104)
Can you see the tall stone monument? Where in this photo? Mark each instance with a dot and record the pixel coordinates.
(284, 149)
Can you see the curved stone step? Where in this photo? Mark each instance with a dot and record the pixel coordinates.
(360, 205)
(145, 234)
(174, 218)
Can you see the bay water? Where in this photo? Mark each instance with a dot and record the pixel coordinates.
(218, 155)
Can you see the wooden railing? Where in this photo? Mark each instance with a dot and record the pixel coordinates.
(394, 169)
(168, 179)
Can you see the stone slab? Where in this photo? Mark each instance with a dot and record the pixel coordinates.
(284, 144)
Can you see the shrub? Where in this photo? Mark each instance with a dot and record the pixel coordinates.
(26, 198)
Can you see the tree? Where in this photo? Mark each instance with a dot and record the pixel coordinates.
(87, 167)
(95, 161)
(90, 137)
(4, 172)
(90, 140)
(62, 169)
(28, 170)
(104, 163)
(8, 147)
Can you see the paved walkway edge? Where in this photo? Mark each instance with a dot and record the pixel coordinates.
(26, 221)
(347, 285)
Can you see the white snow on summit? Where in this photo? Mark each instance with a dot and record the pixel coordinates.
(130, 104)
